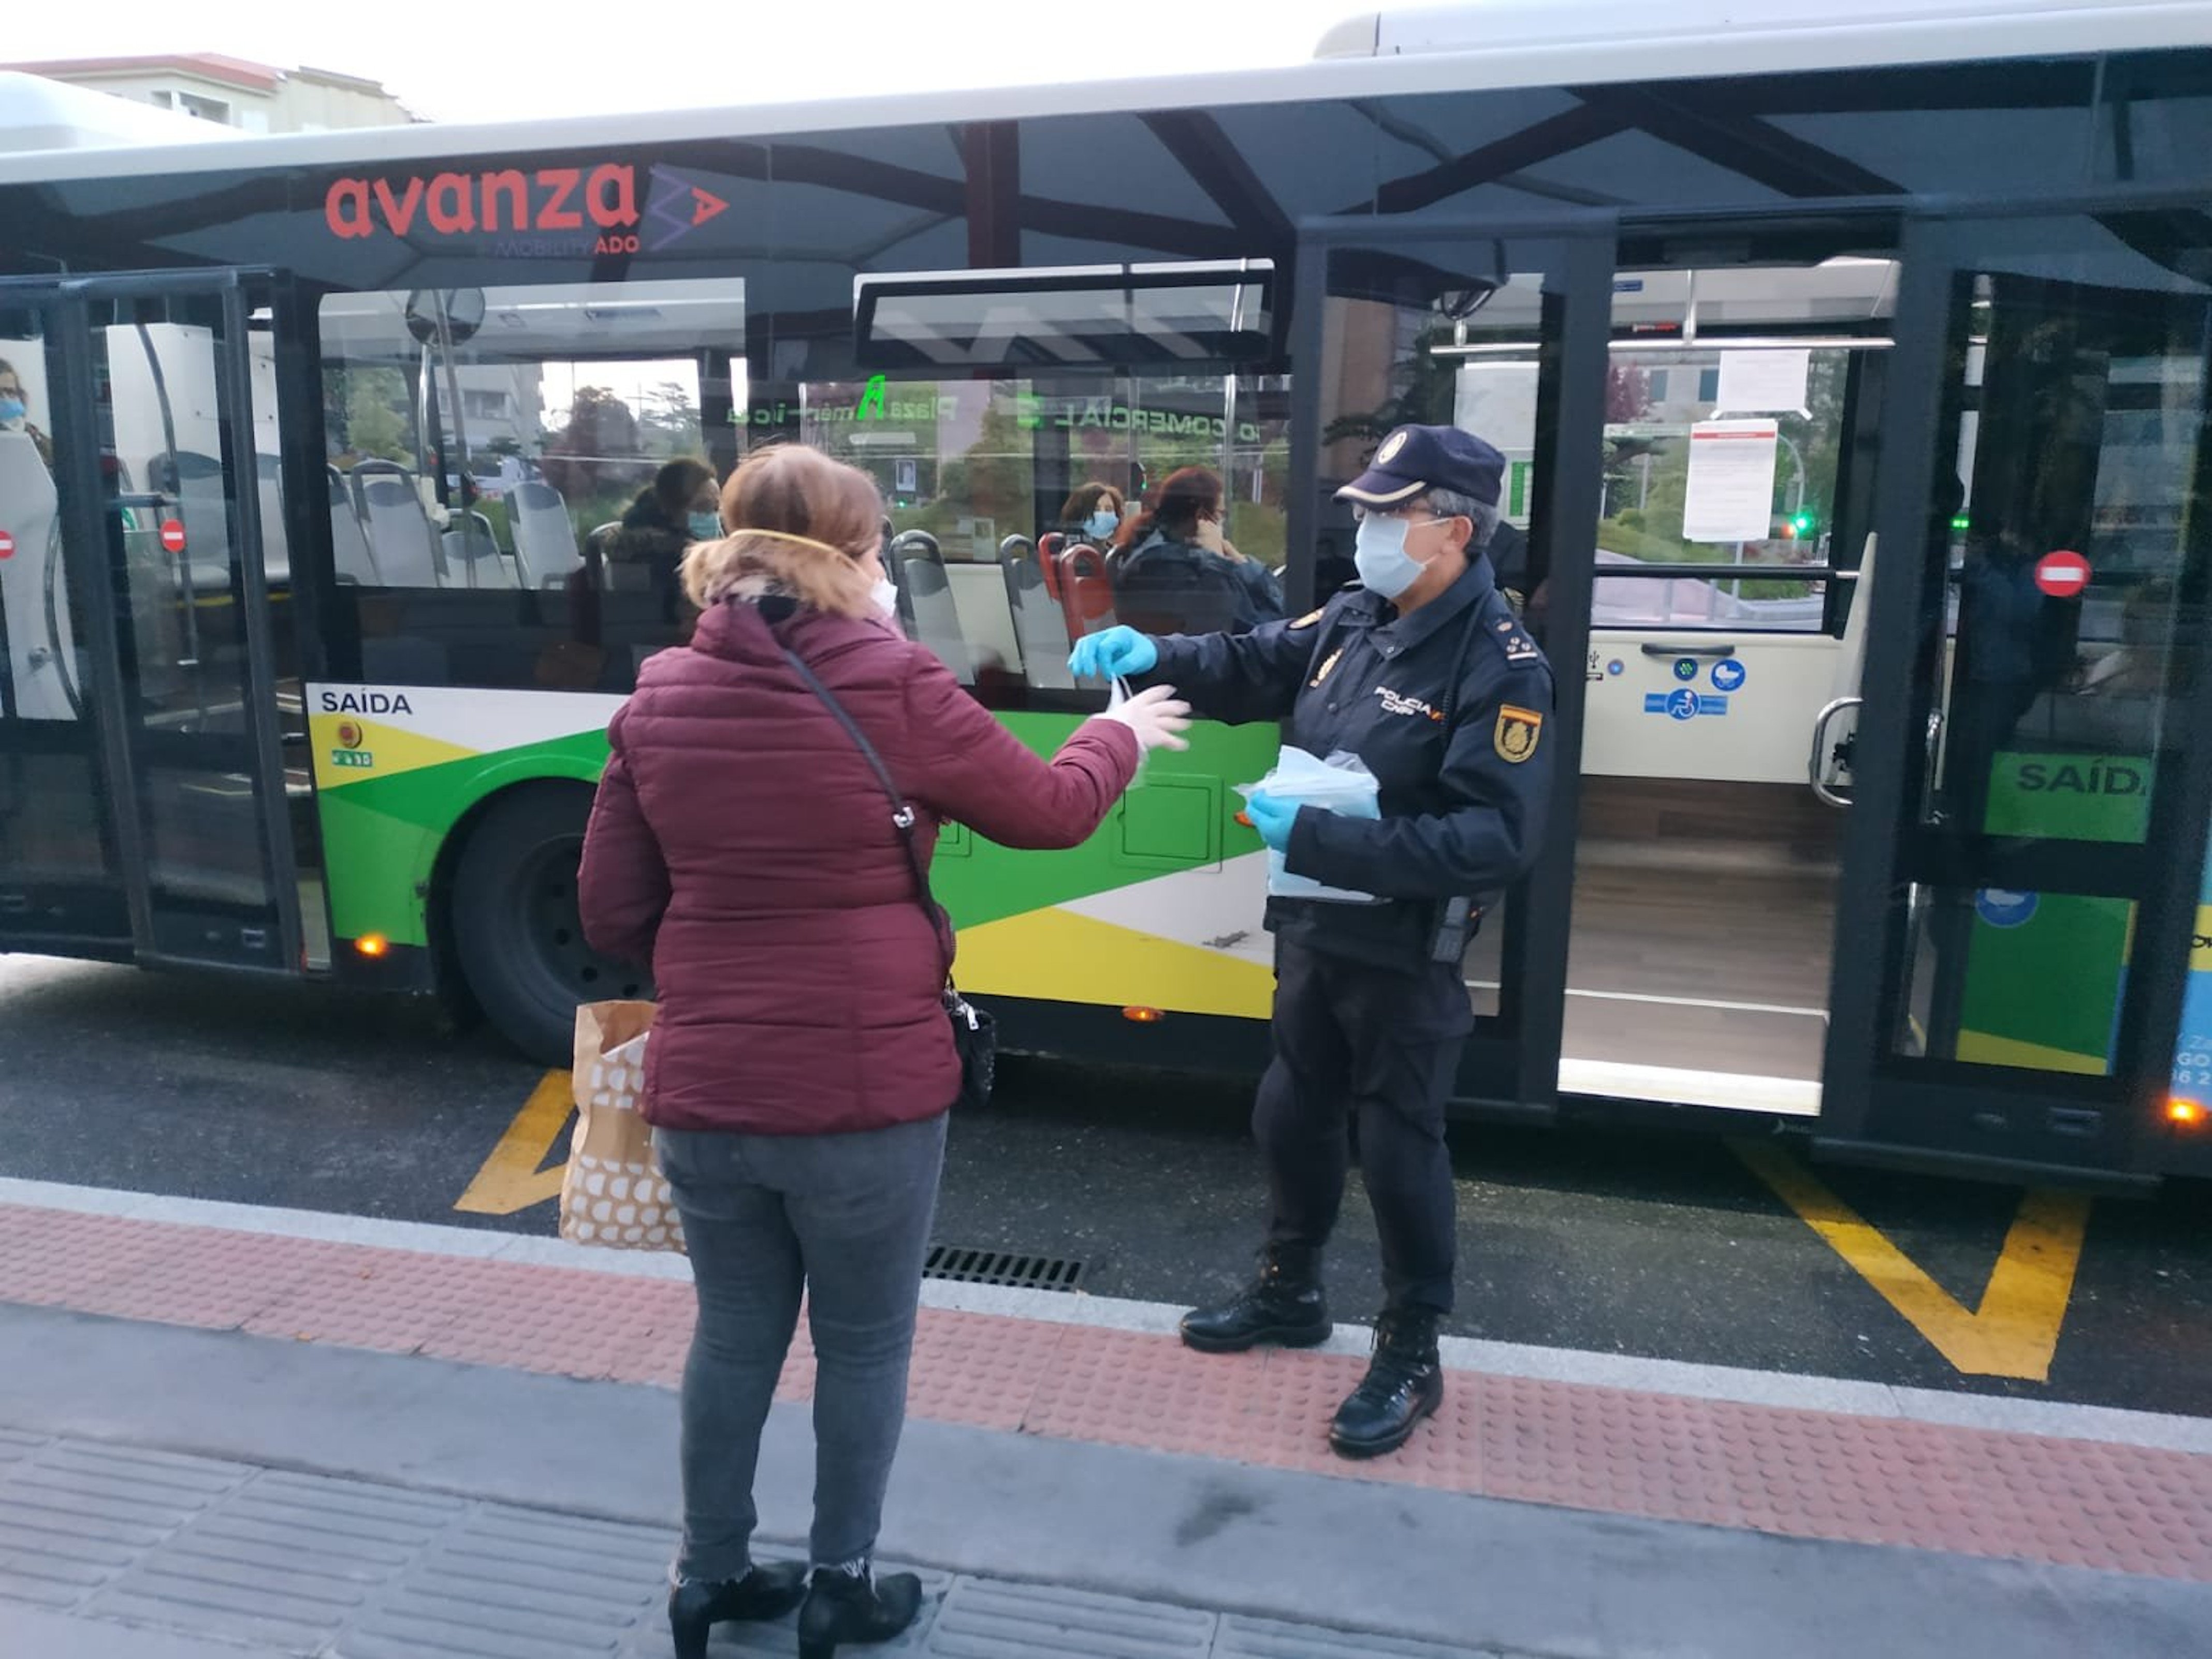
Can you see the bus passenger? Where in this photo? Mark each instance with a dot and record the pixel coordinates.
(675, 510)
(1175, 573)
(1426, 676)
(1092, 513)
(15, 412)
(801, 1065)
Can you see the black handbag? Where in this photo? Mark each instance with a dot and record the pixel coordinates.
(974, 1033)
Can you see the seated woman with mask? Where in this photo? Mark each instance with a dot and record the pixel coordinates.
(677, 508)
(1175, 573)
(15, 413)
(1092, 514)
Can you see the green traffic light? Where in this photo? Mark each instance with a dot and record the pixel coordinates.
(1802, 523)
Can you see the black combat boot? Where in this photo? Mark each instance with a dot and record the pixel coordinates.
(1284, 1304)
(695, 1606)
(1405, 1382)
(844, 1606)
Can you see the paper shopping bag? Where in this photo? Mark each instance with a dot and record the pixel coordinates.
(613, 1192)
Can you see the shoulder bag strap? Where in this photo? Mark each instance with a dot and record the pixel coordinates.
(903, 813)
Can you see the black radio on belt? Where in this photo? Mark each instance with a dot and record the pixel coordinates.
(1457, 919)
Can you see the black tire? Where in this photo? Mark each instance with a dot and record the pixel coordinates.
(515, 927)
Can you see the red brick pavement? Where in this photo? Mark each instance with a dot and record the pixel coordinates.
(1795, 1472)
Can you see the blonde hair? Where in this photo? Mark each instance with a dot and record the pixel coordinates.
(799, 525)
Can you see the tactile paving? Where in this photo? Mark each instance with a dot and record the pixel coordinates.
(1791, 1471)
(510, 1583)
(1264, 1638)
(983, 1619)
(75, 1517)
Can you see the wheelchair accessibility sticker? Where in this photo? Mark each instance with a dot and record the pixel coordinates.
(1684, 704)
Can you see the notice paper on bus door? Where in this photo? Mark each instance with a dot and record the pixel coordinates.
(1764, 382)
(1729, 497)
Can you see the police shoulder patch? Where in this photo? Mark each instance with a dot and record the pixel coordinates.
(1517, 730)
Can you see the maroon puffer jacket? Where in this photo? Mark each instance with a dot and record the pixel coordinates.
(740, 844)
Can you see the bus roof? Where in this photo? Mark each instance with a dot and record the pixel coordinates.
(1510, 44)
(40, 114)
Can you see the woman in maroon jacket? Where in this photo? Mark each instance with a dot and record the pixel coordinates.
(800, 1066)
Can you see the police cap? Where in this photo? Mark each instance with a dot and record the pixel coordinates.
(1413, 458)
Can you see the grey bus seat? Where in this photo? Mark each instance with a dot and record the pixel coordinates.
(616, 576)
(925, 595)
(37, 660)
(399, 532)
(364, 470)
(194, 482)
(348, 544)
(1039, 623)
(276, 540)
(544, 537)
(472, 555)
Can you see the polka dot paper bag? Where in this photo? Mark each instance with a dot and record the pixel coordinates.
(613, 1192)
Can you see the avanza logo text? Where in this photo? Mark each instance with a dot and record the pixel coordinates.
(549, 200)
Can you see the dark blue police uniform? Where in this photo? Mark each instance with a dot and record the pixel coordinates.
(1447, 707)
(1445, 701)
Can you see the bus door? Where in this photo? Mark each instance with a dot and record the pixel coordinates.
(1503, 333)
(2030, 779)
(142, 792)
(1718, 589)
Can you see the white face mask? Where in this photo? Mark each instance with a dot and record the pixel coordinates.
(1378, 552)
(885, 594)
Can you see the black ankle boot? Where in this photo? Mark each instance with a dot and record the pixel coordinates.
(1404, 1383)
(695, 1606)
(1284, 1304)
(847, 1607)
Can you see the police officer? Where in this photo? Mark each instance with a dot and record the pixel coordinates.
(1424, 672)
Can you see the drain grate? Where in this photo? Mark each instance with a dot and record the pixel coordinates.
(966, 1266)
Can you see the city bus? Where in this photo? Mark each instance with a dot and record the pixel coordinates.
(1852, 371)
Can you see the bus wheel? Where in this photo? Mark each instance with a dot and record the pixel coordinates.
(515, 927)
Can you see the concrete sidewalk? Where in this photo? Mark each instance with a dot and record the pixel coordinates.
(170, 1493)
(226, 1428)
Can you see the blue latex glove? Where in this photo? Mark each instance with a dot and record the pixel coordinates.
(1112, 655)
(1273, 818)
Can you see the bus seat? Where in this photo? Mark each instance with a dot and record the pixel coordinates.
(544, 537)
(936, 622)
(363, 471)
(614, 575)
(399, 531)
(194, 482)
(1039, 625)
(1049, 547)
(1086, 592)
(472, 555)
(28, 505)
(276, 540)
(348, 545)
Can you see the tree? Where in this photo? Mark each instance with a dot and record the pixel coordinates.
(598, 450)
(376, 422)
(669, 424)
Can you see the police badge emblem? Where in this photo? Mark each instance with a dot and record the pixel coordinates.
(1514, 737)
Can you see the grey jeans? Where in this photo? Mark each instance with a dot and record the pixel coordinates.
(846, 1217)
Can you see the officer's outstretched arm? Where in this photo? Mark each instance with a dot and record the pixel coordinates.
(1498, 775)
(1236, 678)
